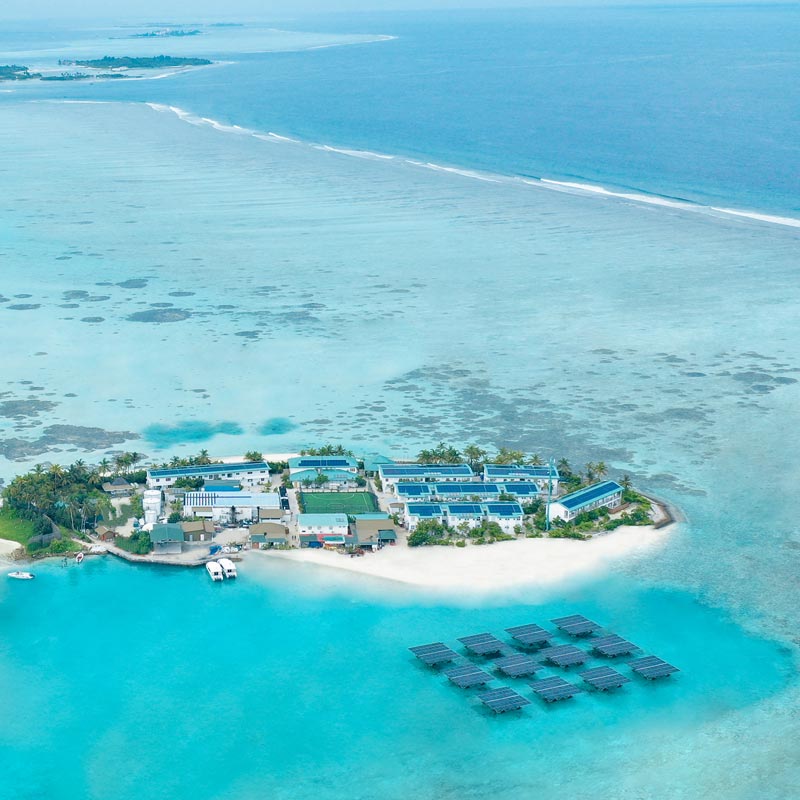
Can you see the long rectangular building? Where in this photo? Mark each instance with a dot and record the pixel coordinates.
(464, 490)
(540, 475)
(248, 473)
(605, 493)
(506, 514)
(391, 474)
(319, 464)
(229, 507)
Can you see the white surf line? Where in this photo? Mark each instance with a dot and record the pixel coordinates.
(547, 183)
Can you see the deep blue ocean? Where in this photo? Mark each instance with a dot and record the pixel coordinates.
(338, 236)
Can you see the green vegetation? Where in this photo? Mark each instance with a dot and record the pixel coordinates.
(70, 498)
(17, 529)
(253, 455)
(327, 450)
(128, 62)
(433, 532)
(14, 72)
(175, 516)
(164, 34)
(70, 76)
(189, 483)
(138, 543)
(338, 502)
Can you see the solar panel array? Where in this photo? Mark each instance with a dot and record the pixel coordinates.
(604, 678)
(517, 665)
(503, 699)
(410, 470)
(564, 655)
(482, 644)
(613, 645)
(524, 664)
(435, 653)
(575, 625)
(530, 635)
(467, 675)
(652, 667)
(555, 688)
(308, 463)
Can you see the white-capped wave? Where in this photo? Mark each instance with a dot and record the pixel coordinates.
(546, 183)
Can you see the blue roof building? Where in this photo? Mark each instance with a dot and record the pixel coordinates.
(391, 474)
(605, 493)
(333, 475)
(504, 473)
(246, 472)
(324, 463)
(465, 490)
(507, 514)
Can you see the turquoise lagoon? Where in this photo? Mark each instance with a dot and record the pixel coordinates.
(182, 273)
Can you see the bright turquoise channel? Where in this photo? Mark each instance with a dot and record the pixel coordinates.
(136, 682)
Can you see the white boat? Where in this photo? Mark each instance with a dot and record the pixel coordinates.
(214, 570)
(79, 557)
(21, 576)
(228, 567)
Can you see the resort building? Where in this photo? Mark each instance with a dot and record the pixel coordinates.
(392, 474)
(167, 539)
(222, 486)
(606, 493)
(118, 487)
(373, 531)
(505, 473)
(247, 473)
(477, 491)
(300, 464)
(229, 507)
(342, 478)
(315, 530)
(153, 505)
(268, 534)
(506, 514)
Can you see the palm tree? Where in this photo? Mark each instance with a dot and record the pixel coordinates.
(600, 469)
(626, 482)
(563, 466)
(590, 468)
(202, 457)
(535, 460)
(474, 455)
(104, 466)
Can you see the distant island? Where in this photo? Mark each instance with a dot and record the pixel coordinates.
(129, 62)
(80, 76)
(165, 33)
(14, 72)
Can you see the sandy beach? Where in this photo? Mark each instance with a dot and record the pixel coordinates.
(9, 549)
(488, 569)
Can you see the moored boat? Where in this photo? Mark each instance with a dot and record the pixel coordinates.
(228, 567)
(214, 570)
(21, 576)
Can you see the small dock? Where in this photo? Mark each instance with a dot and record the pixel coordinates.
(482, 644)
(555, 688)
(467, 675)
(503, 699)
(434, 653)
(652, 667)
(613, 646)
(530, 635)
(517, 665)
(565, 655)
(604, 678)
(576, 625)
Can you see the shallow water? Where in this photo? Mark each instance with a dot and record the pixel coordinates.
(196, 284)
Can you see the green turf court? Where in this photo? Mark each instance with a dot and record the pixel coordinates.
(339, 502)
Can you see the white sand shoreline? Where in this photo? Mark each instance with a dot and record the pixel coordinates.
(486, 569)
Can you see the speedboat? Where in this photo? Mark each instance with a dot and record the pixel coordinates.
(21, 576)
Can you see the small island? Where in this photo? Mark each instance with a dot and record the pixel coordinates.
(14, 72)
(130, 62)
(166, 33)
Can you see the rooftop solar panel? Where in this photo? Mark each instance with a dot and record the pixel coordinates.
(590, 493)
(564, 655)
(652, 667)
(613, 645)
(503, 699)
(529, 634)
(517, 665)
(209, 469)
(504, 509)
(467, 675)
(575, 625)
(464, 508)
(604, 678)
(482, 644)
(554, 688)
